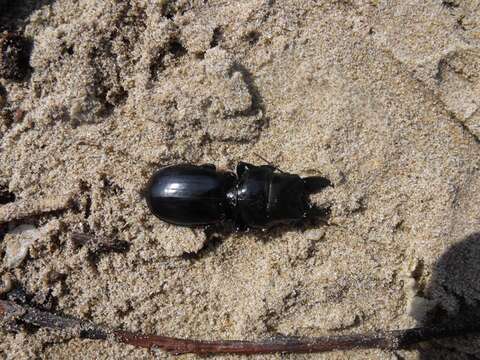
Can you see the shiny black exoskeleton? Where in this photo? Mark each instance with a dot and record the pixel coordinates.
(255, 197)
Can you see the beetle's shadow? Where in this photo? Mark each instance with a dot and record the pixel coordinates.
(455, 287)
(14, 12)
(216, 235)
(317, 216)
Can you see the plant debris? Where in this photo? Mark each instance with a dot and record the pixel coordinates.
(24, 208)
(12, 314)
(18, 243)
(98, 244)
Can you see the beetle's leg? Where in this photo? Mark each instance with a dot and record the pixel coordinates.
(315, 184)
(242, 167)
(208, 166)
(240, 227)
(269, 165)
(237, 224)
(318, 214)
(211, 230)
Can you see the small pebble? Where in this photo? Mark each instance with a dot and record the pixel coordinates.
(7, 283)
(314, 234)
(19, 114)
(18, 242)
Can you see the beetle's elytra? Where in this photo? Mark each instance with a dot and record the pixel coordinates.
(256, 197)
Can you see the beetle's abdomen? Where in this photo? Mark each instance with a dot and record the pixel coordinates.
(189, 195)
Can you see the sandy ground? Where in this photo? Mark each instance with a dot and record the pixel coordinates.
(379, 96)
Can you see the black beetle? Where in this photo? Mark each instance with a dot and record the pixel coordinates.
(256, 197)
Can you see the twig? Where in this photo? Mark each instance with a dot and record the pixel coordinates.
(98, 244)
(24, 208)
(11, 312)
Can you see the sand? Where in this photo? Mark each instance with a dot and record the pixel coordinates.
(379, 96)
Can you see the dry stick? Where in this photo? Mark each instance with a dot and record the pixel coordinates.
(98, 244)
(24, 208)
(389, 340)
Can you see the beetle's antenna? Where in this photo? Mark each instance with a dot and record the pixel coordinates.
(268, 162)
(262, 158)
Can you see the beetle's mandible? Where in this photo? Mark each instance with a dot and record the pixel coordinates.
(257, 197)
